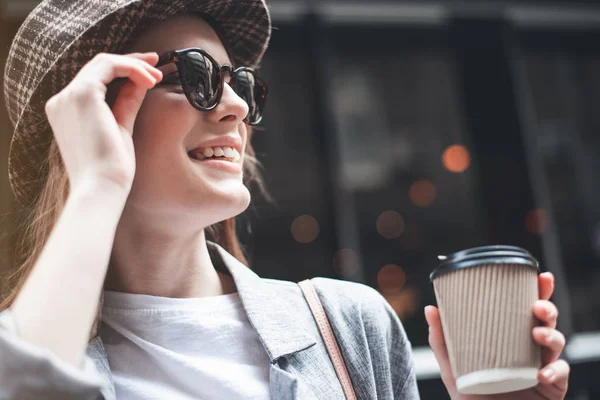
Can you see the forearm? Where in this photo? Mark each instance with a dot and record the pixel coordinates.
(57, 305)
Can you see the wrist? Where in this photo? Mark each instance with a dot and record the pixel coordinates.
(99, 191)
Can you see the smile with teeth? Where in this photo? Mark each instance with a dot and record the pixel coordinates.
(216, 153)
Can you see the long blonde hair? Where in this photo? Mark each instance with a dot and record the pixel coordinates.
(40, 221)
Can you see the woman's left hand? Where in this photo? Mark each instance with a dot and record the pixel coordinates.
(553, 377)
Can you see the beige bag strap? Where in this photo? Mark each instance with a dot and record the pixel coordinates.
(316, 307)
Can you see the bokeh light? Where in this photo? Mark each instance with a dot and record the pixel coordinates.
(346, 263)
(456, 158)
(422, 193)
(305, 228)
(405, 303)
(536, 221)
(391, 278)
(390, 224)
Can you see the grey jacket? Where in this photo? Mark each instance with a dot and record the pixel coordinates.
(370, 335)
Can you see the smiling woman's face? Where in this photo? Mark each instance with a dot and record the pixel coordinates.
(168, 181)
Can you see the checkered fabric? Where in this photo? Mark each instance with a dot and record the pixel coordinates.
(60, 36)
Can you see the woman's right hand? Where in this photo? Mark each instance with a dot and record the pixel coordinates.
(95, 141)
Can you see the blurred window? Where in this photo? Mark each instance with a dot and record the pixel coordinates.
(291, 239)
(565, 87)
(405, 159)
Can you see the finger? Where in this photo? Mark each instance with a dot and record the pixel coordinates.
(555, 375)
(438, 345)
(149, 60)
(107, 67)
(546, 312)
(545, 285)
(150, 57)
(553, 343)
(128, 104)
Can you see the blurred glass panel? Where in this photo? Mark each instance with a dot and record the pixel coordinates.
(406, 160)
(565, 87)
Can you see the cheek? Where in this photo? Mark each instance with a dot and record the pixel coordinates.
(160, 128)
(161, 124)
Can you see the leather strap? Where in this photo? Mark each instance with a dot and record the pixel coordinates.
(316, 307)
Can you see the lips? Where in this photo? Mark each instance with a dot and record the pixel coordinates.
(222, 163)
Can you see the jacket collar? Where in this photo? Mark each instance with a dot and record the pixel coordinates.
(280, 333)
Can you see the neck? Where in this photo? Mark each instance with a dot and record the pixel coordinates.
(161, 264)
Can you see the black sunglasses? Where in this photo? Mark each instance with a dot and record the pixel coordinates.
(203, 79)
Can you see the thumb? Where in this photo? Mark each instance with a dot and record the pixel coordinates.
(438, 345)
(128, 104)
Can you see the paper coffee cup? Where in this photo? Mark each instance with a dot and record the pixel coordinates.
(485, 296)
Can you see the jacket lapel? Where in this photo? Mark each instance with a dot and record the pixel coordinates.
(278, 329)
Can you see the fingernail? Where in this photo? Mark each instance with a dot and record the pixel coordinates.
(548, 373)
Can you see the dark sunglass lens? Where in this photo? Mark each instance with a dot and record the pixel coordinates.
(251, 90)
(200, 78)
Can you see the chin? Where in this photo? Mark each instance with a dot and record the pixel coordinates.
(206, 202)
(222, 203)
(239, 200)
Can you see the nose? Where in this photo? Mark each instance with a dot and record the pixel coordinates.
(231, 109)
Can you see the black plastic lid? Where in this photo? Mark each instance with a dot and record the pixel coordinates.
(497, 254)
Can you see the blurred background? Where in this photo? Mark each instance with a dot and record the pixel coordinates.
(397, 131)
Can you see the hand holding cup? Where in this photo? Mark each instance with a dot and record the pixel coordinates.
(551, 380)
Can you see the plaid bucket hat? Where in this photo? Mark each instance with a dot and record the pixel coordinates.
(60, 36)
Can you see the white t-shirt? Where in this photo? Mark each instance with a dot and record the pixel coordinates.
(182, 349)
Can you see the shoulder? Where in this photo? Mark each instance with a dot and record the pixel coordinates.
(342, 293)
(345, 296)
(348, 305)
(362, 311)
(366, 328)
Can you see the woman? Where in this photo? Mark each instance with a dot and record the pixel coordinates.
(134, 204)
